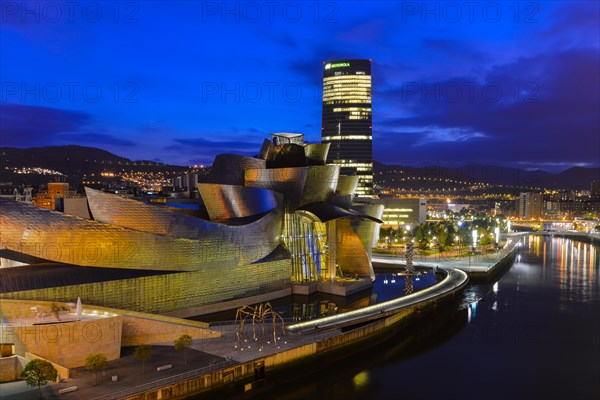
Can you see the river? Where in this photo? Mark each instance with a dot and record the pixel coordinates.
(532, 334)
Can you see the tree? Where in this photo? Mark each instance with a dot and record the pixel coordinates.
(38, 373)
(422, 237)
(183, 343)
(442, 235)
(95, 363)
(484, 241)
(143, 353)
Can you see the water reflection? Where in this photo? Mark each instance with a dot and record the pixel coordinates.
(387, 286)
(577, 264)
(408, 285)
(531, 334)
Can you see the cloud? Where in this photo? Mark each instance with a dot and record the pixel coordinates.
(455, 50)
(372, 31)
(204, 150)
(97, 139)
(572, 24)
(25, 125)
(536, 108)
(449, 135)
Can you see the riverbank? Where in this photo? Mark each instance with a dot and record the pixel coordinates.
(480, 266)
(248, 358)
(246, 362)
(593, 238)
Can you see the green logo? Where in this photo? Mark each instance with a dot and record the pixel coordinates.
(337, 65)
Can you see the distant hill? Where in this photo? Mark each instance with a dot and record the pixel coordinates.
(77, 161)
(72, 161)
(572, 178)
(57, 157)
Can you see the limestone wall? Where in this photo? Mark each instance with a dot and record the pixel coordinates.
(67, 343)
(10, 368)
(103, 330)
(138, 331)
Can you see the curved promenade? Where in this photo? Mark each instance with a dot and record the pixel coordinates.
(304, 341)
(455, 280)
(481, 265)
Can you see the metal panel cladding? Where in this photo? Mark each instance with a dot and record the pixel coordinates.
(63, 238)
(225, 202)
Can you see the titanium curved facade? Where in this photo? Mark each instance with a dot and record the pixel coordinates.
(287, 181)
(226, 202)
(67, 239)
(352, 257)
(228, 169)
(316, 153)
(368, 229)
(347, 184)
(264, 229)
(321, 181)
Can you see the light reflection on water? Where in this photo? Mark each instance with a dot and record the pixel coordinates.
(387, 286)
(535, 333)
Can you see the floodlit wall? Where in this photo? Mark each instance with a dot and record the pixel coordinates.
(171, 292)
(67, 239)
(67, 343)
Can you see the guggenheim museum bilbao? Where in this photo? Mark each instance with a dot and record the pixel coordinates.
(265, 224)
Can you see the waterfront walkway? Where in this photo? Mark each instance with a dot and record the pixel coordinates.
(230, 349)
(480, 264)
(455, 279)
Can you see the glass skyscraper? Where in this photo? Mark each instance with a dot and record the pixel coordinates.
(347, 122)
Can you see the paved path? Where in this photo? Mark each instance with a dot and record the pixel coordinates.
(455, 279)
(480, 263)
(229, 348)
(21, 391)
(127, 368)
(202, 354)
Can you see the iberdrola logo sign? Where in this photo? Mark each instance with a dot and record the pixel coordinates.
(337, 65)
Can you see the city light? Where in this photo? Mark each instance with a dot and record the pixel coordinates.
(497, 235)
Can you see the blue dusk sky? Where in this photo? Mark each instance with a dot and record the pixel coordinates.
(501, 83)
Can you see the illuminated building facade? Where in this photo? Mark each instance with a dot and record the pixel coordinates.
(264, 223)
(529, 205)
(347, 123)
(595, 191)
(401, 212)
(52, 199)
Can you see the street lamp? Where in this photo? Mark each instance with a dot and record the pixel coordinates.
(474, 233)
(497, 233)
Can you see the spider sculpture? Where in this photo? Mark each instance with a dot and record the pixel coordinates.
(259, 314)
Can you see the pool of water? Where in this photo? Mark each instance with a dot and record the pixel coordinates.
(387, 286)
